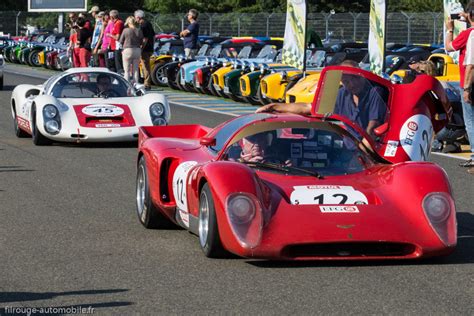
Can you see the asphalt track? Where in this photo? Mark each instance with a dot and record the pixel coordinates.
(69, 237)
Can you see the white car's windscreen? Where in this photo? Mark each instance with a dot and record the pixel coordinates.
(92, 85)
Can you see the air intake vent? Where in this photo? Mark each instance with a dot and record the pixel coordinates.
(344, 250)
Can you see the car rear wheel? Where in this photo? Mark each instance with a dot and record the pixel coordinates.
(38, 138)
(208, 231)
(159, 75)
(148, 214)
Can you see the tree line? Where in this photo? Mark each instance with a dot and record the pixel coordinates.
(245, 6)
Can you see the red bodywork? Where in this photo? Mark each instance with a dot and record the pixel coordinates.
(392, 225)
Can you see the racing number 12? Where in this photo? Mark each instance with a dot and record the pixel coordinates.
(320, 198)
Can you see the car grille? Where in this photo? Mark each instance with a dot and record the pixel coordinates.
(215, 79)
(292, 99)
(263, 86)
(347, 250)
(243, 85)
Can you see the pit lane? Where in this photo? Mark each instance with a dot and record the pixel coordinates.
(69, 236)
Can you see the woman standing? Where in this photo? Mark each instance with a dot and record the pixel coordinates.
(106, 49)
(131, 40)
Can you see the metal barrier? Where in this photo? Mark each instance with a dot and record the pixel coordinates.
(402, 27)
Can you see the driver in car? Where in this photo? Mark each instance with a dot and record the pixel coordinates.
(254, 148)
(104, 86)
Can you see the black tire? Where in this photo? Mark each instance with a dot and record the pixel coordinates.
(209, 238)
(211, 89)
(252, 100)
(1, 83)
(172, 82)
(18, 131)
(158, 74)
(148, 214)
(261, 99)
(33, 59)
(38, 138)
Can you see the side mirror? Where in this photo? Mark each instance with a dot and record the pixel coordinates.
(207, 141)
(140, 89)
(382, 129)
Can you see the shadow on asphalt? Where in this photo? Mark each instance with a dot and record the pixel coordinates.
(464, 253)
(8, 88)
(8, 297)
(99, 145)
(14, 169)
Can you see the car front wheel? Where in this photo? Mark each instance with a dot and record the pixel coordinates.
(208, 230)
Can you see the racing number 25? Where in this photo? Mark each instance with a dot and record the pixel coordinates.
(320, 198)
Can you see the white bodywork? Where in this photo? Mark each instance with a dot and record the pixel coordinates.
(28, 102)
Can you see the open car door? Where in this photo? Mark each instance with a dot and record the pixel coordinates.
(399, 121)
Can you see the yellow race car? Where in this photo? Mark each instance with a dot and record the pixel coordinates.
(304, 90)
(445, 68)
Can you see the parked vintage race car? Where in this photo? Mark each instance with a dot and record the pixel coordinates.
(85, 105)
(319, 187)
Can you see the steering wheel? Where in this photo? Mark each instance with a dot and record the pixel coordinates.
(108, 94)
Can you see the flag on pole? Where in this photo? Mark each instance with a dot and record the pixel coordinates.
(293, 52)
(377, 38)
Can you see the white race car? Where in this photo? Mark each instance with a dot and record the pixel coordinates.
(85, 105)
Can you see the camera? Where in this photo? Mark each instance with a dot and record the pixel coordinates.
(455, 16)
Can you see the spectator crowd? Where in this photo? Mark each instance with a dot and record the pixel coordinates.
(107, 41)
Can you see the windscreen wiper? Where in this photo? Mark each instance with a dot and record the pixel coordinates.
(281, 167)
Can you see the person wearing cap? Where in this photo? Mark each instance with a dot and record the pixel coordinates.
(418, 66)
(190, 34)
(465, 46)
(98, 29)
(147, 45)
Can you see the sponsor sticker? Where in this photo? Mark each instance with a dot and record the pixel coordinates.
(179, 188)
(217, 87)
(391, 149)
(226, 90)
(339, 209)
(416, 135)
(106, 125)
(102, 110)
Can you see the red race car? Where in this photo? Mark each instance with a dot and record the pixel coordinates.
(292, 187)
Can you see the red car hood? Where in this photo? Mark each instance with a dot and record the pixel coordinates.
(104, 115)
(306, 209)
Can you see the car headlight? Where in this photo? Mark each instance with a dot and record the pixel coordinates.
(263, 68)
(156, 109)
(241, 209)
(439, 209)
(253, 66)
(52, 127)
(436, 207)
(159, 121)
(50, 112)
(245, 217)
